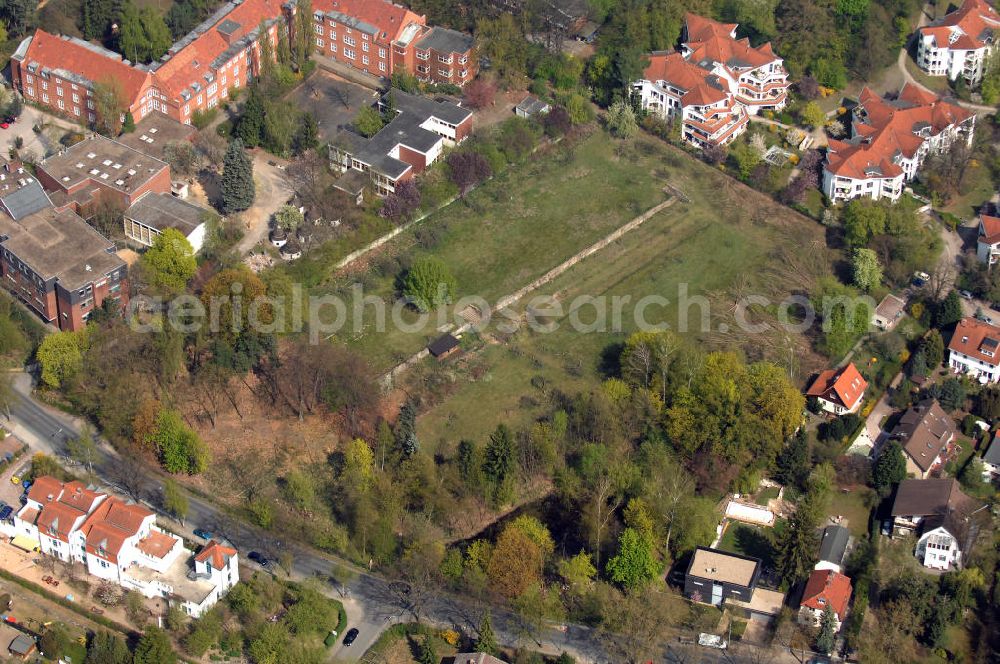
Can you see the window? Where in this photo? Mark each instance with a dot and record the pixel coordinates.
(364, 46)
(90, 104)
(200, 100)
(422, 55)
(348, 53)
(423, 69)
(364, 59)
(381, 53)
(31, 92)
(29, 78)
(333, 36)
(187, 109)
(445, 72)
(222, 82)
(365, 37)
(76, 98)
(462, 60)
(45, 85)
(213, 88)
(45, 98)
(76, 110)
(444, 60)
(59, 92)
(349, 41)
(318, 27)
(333, 47)
(381, 66)
(91, 117)
(320, 43)
(236, 72)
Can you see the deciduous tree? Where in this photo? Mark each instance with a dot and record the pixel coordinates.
(170, 262)
(429, 283)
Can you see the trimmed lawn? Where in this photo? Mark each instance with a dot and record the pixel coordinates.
(852, 507)
(749, 540)
(766, 495)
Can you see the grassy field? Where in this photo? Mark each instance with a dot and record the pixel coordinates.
(727, 241)
(519, 225)
(748, 540)
(852, 506)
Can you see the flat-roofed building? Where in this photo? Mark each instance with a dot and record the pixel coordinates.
(154, 213)
(713, 576)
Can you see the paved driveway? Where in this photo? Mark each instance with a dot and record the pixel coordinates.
(273, 191)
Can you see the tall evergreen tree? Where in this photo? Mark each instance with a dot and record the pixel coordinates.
(890, 468)
(154, 648)
(107, 648)
(237, 179)
(250, 124)
(96, 18)
(827, 631)
(487, 641)
(498, 464)
(303, 31)
(797, 545)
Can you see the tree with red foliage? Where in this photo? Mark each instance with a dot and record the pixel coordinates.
(480, 93)
(467, 169)
(401, 204)
(556, 122)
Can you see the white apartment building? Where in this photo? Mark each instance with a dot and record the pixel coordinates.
(890, 139)
(960, 43)
(988, 242)
(713, 84)
(120, 542)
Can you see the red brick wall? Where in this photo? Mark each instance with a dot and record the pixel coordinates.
(463, 130)
(26, 290)
(413, 158)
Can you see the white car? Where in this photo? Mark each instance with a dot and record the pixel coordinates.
(712, 641)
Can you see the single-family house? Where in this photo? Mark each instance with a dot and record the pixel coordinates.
(960, 43)
(974, 350)
(839, 391)
(940, 515)
(477, 658)
(888, 312)
(833, 548)
(924, 431)
(988, 242)
(825, 588)
(991, 460)
(714, 576)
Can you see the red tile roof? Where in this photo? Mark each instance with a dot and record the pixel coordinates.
(886, 132)
(57, 520)
(713, 41)
(989, 229)
(388, 17)
(107, 528)
(216, 554)
(157, 544)
(845, 386)
(975, 22)
(45, 489)
(191, 63)
(828, 587)
(700, 85)
(977, 340)
(56, 52)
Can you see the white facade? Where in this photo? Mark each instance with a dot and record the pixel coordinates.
(959, 44)
(951, 62)
(962, 363)
(840, 188)
(938, 549)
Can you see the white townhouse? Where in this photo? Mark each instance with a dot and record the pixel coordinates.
(119, 541)
(988, 242)
(714, 84)
(959, 44)
(890, 139)
(974, 350)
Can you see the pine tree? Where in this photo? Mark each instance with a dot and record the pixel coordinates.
(428, 655)
(487, 641)
(303, 32)
(237, 179)
(129, 124)
(306, 136)
(827, 631)
(96, 18)
(249, 127)
(406, 424)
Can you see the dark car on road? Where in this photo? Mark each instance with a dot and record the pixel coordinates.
(202, 533)
(259, 558)
(5, 511)
(351, 635)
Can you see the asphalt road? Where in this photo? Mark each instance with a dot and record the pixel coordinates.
(372, 602)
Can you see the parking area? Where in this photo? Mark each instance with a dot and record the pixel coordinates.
(333, 101)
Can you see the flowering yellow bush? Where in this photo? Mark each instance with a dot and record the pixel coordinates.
(772, 128)
(449, 636)
(841, 110)
(867, 410)
(794, 159)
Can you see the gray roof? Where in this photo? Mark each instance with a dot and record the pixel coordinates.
(444, 40)
(992, 455)
(531, 105)
(429, 108)
(351, 22)
(163, 211)
(27, 200)
(834, 544)
(21, 645)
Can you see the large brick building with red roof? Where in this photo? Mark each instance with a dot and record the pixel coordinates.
(890, 139)
(713, 84)
(223, 53)
(959, 44)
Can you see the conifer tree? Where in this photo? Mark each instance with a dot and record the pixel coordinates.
(237, 179)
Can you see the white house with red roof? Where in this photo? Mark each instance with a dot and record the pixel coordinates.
(959, 44)
(890, 139)
(825, 588)
(119, 541)
(974, 350)
(713, 84)
(839, 391)
(988, 243)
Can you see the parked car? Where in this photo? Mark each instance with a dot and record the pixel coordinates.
(5, 511)
(351, 635)
(259, 558)
(202, 533)
(26, 484)
(14, 479)
(920, 278)
(966, 294)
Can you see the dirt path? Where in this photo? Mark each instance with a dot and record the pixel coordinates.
(273, 190)
(508, 300)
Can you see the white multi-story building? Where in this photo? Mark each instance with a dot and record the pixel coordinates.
(959, 44)
(890, 139)
(988, 243)
(120, 542)
(713, 84)
(938, 546)
(974, 350)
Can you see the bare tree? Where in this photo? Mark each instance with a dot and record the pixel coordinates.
(942, 279)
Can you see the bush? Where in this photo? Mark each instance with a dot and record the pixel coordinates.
(202, 118)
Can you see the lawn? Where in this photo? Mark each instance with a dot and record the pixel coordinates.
(748, 540)
(980, 187)
(852, 506)
(726, 238)
(764, 496)
(521, 224)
